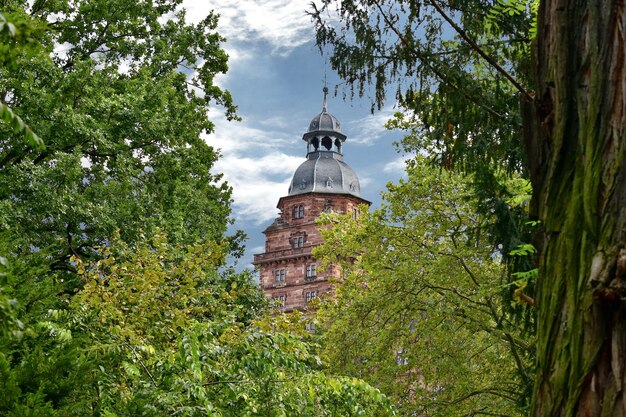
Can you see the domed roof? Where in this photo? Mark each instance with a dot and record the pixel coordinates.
(326, 122)
(325, 172)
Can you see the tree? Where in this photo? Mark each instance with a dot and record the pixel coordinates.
(121, 106)
(464, 110)
(575, 131)
(418, 311)
(101, 313)
(157, 331)
(120, 93)
(574, 154)
(16, 38)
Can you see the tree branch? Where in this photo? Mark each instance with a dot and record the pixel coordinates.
(480, 52)
(422, 58)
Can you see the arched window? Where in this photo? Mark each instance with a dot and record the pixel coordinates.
(297, 212)
(327, 143)
(316, 143)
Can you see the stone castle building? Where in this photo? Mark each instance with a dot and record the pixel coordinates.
(288, 272)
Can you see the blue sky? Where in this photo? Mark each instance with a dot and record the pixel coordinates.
(276, 77)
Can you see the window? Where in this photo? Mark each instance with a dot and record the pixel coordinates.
(327, 143)
(298, 212)
(279, 276)
(297, 242)
(316, 143)
(311, 271)
(309, 296)
(281, 299)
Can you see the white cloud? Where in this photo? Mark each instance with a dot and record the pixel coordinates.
(364, 181)
(276, 121)
(237, 56)
(62, 49)
(254, 164)
(397, 166)
(237, 137)
(251, 27)
(282, 23)
(369, 129)
(258, 183)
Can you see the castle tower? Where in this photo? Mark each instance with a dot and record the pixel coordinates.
(324, 182)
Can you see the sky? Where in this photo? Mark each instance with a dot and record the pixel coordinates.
(276, 75)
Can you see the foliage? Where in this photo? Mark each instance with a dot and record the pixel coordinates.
(101, 314)
(157, 331)
(120, 94)
(16, 37)
(419, 310)
(123, 151)
(457, 68)
(572, 153)
(460, 102)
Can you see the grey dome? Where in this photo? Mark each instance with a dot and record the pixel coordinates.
(325, 172)
(325, 122)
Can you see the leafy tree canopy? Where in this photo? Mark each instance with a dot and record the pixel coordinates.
(119, 92)
(100, 313)
(419, 311)
(16, 37)
(570, 120)
(457, 67)
(157, 331)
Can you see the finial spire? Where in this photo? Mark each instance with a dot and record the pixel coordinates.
(325, 90)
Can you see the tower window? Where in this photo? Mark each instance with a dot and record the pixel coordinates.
(298, 212)
(311, 271)
(279, 276)
(316, 143)
(280, 300)
(327, 143)
(297, 242)
(310, 295)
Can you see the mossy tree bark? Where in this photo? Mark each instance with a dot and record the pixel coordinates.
(576, 144)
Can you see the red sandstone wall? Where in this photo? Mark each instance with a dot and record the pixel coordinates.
(279, 253)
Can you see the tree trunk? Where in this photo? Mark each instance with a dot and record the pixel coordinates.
(576, 143)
